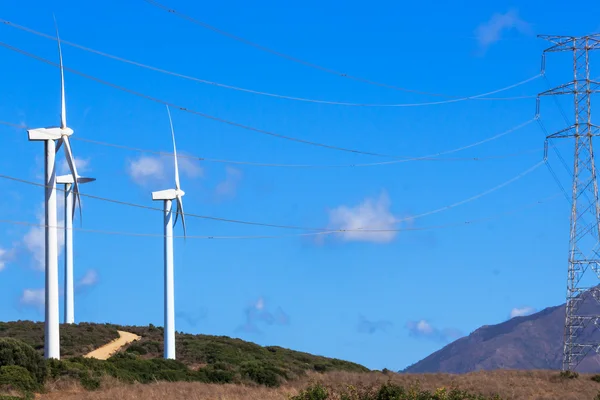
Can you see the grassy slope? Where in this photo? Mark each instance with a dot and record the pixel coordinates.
(75, 340)
(193, 350)
(511, 385)
(199, 350)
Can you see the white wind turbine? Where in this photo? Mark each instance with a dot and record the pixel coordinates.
(48, 136)
(67, 181)
(167, 196)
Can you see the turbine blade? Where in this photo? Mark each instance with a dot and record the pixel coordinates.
(58, 145)
(176, 215)
(63, 109)
(180, 210)
(73, 168)
(174, 151)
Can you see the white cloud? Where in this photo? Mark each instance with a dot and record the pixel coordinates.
(260, 303)
(424, 327)
(81, 164)
(424, 330)
(228, 188)
(160, 170)
(35, 239)
(491, 31)
(6, 256)
(372, 213)
(2, 259)
(33, 298)
(89, 279)
(521, 311)
(146, 167)
(189, 167)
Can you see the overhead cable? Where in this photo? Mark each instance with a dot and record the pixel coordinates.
(482, 96)
(300, 61)
(327, 233)
(362, 229)
(201, 114)
(430, 157)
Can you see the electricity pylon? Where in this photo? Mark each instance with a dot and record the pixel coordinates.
(581, 323)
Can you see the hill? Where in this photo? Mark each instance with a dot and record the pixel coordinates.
(521, 343)
(243, 360)
(210, 367)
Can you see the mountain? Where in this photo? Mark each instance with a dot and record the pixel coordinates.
(521, 343)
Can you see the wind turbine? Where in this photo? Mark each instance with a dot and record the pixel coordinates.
(67, 181)
(48, 136)
(167, 196)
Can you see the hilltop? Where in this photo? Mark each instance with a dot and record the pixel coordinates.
(194, 351)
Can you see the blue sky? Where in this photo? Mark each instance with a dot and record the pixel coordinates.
(383, 300)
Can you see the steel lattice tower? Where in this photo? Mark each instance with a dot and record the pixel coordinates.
(582, 322)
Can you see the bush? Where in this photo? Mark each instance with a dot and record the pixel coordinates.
(320, 368)
(569, 375)
(213, 374)
(596, 378)
(136, 348)
(17, 378)
(16, 352)
(261, 373)
(89, 382)
(313, 392)
(390, 391)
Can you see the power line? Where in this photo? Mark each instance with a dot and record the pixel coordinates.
(295, 59)
(481, 96)
(325, 233)
(201, 114)
(431, 157)
(364, 229)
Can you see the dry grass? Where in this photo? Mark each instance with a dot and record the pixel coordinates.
(511, 385)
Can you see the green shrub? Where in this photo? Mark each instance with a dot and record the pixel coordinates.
(313, 392)
(17, 378)
(213, 374)
(596, 378)
(16, 352)
(390, 391)
(5, 397)
(569, 375)
(136, 348)
(89, 382)
(261, 373)
(320, 368)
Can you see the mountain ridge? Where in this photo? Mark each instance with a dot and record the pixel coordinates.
(531, 342)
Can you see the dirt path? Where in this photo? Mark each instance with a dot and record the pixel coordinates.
(104, 352)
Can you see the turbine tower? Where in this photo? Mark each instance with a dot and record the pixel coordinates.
(582, 319)
(167, 196)
(67, 181)
(48, 136)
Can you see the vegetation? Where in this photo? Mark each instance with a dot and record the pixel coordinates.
(75, 340)
(200, 358)
(15, 353)
(569, 375)
(210, 367)
(248, 362)
(387, 391)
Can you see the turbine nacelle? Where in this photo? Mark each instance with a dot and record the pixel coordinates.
(68, 179)
(169, 194)
(53, 133)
